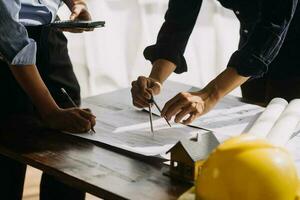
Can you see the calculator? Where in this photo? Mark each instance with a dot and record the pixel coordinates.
(78, 24)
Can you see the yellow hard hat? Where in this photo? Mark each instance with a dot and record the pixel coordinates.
(247, 168)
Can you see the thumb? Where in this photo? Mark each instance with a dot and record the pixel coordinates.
(75, 13)
(155, 88)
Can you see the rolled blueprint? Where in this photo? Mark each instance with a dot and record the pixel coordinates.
(286, 124)
(267, 119)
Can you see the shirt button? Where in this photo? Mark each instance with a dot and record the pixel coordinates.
(245, 31)
(237, 12)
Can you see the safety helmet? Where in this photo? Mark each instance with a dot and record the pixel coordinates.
(247, 168)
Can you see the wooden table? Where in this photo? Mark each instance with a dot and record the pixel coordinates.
(99, 170)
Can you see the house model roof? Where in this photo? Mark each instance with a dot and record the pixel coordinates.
(198, 150)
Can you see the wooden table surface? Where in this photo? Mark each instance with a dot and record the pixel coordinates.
(96, 169)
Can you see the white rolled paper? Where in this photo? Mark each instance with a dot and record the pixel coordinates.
(267, 119)
(286, 124)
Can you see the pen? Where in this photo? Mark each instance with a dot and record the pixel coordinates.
(72, 102)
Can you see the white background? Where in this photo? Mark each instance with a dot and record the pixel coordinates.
(110, 58)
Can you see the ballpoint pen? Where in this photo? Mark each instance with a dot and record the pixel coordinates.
(72, 102)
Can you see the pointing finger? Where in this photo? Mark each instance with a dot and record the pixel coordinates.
(168, 104)
(191, 118)
(155, 88)
(185, 111)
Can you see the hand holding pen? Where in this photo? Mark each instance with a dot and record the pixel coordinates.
(84, 114)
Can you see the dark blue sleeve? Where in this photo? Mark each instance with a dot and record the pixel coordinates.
(174, 34)
(265, 41)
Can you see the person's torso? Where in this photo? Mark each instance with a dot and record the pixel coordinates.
(38, 12)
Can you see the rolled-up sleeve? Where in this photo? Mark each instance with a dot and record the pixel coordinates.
(266, 39)
(174, 34)
(15, 45)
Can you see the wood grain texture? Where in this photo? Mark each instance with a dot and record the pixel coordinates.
(96, 169)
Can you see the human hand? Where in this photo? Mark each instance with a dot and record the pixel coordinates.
(195, 104)
(92, 120)
(79, 12)
(142, 89)
(74, 120)
(187, 106)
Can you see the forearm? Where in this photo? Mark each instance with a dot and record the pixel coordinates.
(224, 83)
(161, 70)
(30, 80)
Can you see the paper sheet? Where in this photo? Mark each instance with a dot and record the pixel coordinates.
(229, 121)
(293, 146)
(121, 125)
(230, 117)
(286, 124)
(129, 129)
(267, 119)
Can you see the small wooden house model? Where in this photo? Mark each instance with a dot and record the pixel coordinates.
(187, 156)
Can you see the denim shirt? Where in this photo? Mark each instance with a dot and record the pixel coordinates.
(264, 28)
(15, 46)
(38, 12)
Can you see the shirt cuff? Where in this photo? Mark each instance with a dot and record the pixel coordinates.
(154, 53)
(247, 64)
(27, 56)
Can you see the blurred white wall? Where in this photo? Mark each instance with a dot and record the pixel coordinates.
(111, 57)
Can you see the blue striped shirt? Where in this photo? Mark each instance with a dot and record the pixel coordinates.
(15, 45)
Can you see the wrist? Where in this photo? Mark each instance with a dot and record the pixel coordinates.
(212, 91)
(49, 113)
(161, 70)
(155, 79)
(47, 105)
(216, 92)
(45, 112)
